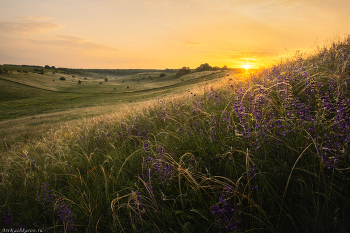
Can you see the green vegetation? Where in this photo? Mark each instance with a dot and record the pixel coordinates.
(258, 152)
(183, 71)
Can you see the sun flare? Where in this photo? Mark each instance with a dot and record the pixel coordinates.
(246, 67)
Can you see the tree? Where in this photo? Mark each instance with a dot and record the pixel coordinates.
(204, 67)
(162, 75)
(224, 67)
(183, 71)
(106, 79)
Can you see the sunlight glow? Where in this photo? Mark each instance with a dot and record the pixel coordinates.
(246, 67)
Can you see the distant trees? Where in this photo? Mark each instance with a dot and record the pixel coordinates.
(207, 67)
(183, 71)
(204, 67)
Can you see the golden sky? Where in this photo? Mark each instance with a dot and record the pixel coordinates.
(159, 34)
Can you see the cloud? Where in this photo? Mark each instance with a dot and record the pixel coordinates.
(73, 42)
(33, 25)
(192, 43)
(252, 55)
(35, 18)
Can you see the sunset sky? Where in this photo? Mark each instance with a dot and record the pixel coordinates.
(159, 34)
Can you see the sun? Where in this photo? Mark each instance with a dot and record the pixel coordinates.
(246, 67)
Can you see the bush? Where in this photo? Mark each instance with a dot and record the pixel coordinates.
(62, 78)
(106, 79)
(183, 71)
(79, 82)
(162, 75)
(204, 67)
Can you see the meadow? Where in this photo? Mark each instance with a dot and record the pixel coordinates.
(32, 103)
(262, 151)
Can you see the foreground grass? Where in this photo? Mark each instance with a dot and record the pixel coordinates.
(262, 152)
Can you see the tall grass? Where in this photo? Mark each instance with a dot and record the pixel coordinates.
(261, 152)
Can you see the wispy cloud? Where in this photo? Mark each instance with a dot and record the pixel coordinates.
(72, 42)
(192, 43)
(31, 25)
(252, 55)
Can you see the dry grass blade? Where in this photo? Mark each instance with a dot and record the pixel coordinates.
(290, 175)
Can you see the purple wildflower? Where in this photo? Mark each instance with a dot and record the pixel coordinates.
(7, 218)
(66, 216)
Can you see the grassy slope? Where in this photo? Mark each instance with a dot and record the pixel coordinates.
(264, 152)
(30, 94)
(33, 103)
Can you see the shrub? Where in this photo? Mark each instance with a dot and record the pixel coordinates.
(106, 79)
(162, 75)
(204, 67)
(62, 78)
(183, 71)
(79, 82)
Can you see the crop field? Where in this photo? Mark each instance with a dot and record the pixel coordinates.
(261, 151)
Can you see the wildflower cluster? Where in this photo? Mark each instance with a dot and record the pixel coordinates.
(59, 207)
(134, 131)
(66, 216)
(7, 218)
(156, 167)
(227, 218)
